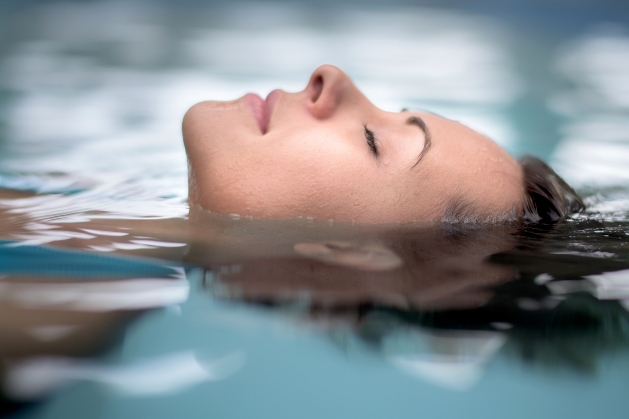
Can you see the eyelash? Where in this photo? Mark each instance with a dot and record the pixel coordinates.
(371, 141)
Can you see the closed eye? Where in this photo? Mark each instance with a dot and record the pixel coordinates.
(371, 141)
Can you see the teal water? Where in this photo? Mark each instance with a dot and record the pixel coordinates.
(110, 307)
(289, 369)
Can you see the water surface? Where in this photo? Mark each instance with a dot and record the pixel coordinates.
(118, 300)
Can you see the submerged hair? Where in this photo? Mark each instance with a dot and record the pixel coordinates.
(460, 210)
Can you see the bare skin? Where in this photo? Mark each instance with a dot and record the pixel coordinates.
(340, 266)
(309, 154)
(405, 265)
(310, 158)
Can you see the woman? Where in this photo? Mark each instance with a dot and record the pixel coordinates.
(327, 152)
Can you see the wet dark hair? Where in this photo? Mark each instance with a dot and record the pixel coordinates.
(548, 198)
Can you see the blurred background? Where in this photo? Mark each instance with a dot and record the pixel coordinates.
(91, 99)
(96, 89)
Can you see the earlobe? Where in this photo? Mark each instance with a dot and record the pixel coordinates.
(366, 257)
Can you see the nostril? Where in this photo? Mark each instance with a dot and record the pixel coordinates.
(317, 85)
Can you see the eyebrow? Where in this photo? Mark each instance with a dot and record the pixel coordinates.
(416, 120)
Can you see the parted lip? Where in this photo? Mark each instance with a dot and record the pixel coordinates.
(263, 109)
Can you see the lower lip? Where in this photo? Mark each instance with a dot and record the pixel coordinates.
(263, 109)
(257, 106)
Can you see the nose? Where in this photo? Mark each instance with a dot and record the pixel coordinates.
(327, 89)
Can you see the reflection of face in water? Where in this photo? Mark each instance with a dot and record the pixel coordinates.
(425, 268)
(444, 293)
(366, 257)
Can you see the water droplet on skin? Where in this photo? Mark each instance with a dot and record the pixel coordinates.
(234, 216)
(331, 222)
(310, 219)
(249, 217)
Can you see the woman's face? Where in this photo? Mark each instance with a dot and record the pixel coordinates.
(327, 152)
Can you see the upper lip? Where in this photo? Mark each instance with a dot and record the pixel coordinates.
(263, 109)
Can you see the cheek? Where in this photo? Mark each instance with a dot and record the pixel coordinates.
(306, 175)
(209, 130)
(316, 178)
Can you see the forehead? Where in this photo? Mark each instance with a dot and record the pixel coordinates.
(469, 165)
(451, 136)
(449, 129)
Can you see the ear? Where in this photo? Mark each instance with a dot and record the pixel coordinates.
(366, 257)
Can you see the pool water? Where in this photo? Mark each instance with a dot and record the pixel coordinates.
(118, 300)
